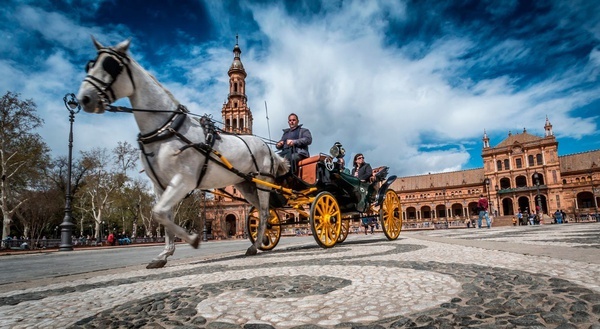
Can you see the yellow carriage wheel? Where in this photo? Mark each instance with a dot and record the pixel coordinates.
(345, 230)
(272, 231)
(390, 215)
(325, 220)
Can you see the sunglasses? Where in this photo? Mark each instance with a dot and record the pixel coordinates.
(359, 158)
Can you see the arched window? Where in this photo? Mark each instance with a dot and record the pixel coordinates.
(518, 163)
(506, 164)
(521, 181)
(538, 158)
(499, 165)
(530, 159)
(235, 87)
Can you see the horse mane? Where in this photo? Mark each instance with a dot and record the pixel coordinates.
(151, 76)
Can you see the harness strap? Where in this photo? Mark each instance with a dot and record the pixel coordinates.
(147, 155)
(251, 154)
(167, 130)
(97, 83)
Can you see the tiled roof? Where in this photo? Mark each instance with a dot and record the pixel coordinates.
(521, 138)
(439, 180)
(579, 161)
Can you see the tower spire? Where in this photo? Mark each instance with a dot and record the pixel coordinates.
(486, 140)
(548, 128)
(236, 113)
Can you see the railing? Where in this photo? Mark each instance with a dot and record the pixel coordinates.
(521, 189)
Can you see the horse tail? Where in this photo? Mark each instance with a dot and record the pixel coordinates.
(282, 165)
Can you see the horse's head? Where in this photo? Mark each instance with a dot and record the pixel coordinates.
(108, 78)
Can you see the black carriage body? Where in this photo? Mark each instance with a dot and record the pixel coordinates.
(319, 171)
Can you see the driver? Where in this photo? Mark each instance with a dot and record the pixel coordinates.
(294, 142)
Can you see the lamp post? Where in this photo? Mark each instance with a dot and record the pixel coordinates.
(204, 229)
(594, 196)
(498, 200)
(487, 187)
(536, 176)
(66, 227)
(445, 207)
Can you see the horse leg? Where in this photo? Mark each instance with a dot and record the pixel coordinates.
(161, 260)
(263, 210)
(163, 213)
(249, 191)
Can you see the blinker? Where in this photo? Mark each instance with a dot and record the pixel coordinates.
(89, 65)
(112, 66)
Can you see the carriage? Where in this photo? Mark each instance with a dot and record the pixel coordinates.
(329, 200)
(180, 154)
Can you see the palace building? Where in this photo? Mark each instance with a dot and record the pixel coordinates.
(521, 173)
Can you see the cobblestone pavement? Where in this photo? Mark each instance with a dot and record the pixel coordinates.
(510, 277)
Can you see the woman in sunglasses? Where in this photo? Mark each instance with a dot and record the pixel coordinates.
(361, 170)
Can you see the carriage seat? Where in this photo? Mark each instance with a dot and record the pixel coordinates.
(307, 168)
(379, 174)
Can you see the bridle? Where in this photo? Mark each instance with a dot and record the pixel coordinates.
(113, 65)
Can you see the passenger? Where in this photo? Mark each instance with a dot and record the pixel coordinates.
(361, 170)
(294, 142)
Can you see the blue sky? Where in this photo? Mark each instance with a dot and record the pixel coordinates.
(411, 84)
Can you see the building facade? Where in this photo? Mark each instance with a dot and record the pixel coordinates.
(522, 173)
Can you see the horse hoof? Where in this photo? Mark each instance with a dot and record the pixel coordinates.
(196, 242)
(251, 251)
(156, 264)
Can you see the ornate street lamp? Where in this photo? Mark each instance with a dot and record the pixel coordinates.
(498, 200)
(594, 195)
(536, 176)
(66, 227)
(487, 187)
(204, 229)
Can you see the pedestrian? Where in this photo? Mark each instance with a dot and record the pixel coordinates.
(111, 239)
(482, 206)
(558, 217)
(531, 219)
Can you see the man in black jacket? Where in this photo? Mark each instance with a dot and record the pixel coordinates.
(294, 142)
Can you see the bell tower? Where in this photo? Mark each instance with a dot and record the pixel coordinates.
(237, 116)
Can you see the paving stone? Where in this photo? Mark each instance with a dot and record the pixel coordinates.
(464, 281)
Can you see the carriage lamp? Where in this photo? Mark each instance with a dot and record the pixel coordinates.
(66, 227)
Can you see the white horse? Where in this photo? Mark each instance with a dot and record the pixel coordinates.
(179, 154)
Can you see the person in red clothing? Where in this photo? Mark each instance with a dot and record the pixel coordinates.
(111, 239)
(482, 205)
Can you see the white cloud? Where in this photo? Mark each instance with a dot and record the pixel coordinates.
(336, 70)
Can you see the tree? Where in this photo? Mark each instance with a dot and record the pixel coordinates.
(23, 155)
(107, 184)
